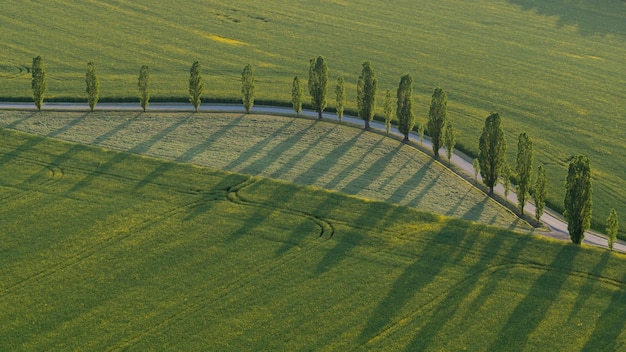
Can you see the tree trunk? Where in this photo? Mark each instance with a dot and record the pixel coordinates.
(406, 138)
(367, 125)
(319, 114)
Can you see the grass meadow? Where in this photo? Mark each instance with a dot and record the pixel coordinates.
(105, 250)
(551, 68)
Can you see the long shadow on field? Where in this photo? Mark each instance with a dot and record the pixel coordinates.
(443, 311)
(446, 247)
(348, 240)
(114, 131)
(417, 200)
(588, 16)
(189, 154)
(289, 164)
(474, 213)
(310, 176)
(211, 139)
(531, 311)
(401, 192)
(610, 324)
(262, 162)
(68, 126)
(252, 151)
(22, 119)
(144, 146)
(585, 292)
(372, 173)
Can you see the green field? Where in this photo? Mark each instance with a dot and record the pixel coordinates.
(551, 68)
(105, 250)
(302, 151)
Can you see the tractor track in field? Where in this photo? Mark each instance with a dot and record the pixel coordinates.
(265, 269)
(96, 247)
(326, 227)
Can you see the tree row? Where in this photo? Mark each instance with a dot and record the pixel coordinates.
(491, 162)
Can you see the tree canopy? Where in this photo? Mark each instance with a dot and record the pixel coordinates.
(39, 83)
(437, 117)
(404, 108)
(578, 198)
(318, 84)
(492, 146)
(143, 83)
(247, 87)
(196, 85)
(93, 85)
(340, 97)
(296, 95)
(524, 167)
(366, 93)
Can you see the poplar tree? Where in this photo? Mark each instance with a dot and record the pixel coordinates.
(388, 110)
(366, 93)
(612, 225)
(39, 83)
(506, 179)
(196, 85)
(578, 198)
(144, 88)
(476, 167)
(524, 167)
(93, 85)
(318, 84)
(540, 192)
(492, 146)
(247, 87)
(449, 139)
(296, 95)
(404, 107)
(420, 132)
(340, 97)
(437, 117)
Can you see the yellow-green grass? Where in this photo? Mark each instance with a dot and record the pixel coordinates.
(106, 250)
(551, 68)
(307, 152)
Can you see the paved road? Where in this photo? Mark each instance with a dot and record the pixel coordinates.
(553, 220)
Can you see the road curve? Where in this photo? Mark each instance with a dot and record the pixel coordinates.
(554, 221)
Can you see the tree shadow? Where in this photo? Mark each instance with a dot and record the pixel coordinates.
(251, 152)
(211, 139)
(418, 177)
(590, 17)
(346, 241)
(424, 271)
(144, 146)
(475, 212)
(114, 131)
(417, 200)
(372, 173)
(67, 126)
(333, 157)
(22, 119)
(531, 311)
(446, 309)
(610, 324)
(273, 154)
(289, 164)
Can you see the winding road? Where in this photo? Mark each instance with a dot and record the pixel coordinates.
(554, 221)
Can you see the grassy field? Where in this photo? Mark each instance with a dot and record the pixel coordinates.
(105, 250)
(303, 151)
(551, 68)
